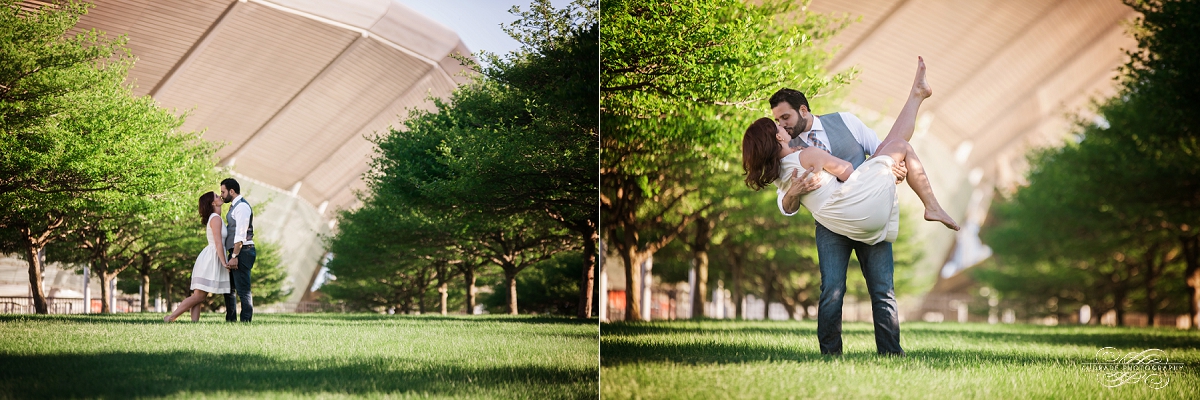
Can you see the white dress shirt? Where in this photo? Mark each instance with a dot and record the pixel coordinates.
(241, 215)
(865, 137)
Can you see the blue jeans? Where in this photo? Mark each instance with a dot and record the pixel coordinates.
(833, 252)
(239, 280)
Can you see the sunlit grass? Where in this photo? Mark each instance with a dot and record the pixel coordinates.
(767, 359)
(297, 355)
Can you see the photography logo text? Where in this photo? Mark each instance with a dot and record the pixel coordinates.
(1147, 366)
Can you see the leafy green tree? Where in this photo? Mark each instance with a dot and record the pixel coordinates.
(151, 254)
(371, 272)
(175, 266)
(500, 174)
(521, 140)
(73, 138)
(678, 81)
(1161, 121)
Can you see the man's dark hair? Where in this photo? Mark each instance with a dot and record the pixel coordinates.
(792, 97)
(231, 184)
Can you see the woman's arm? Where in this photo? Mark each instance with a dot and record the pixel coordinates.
(215, 224)
(813, 156)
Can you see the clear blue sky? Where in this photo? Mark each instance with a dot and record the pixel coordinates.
(477, 22)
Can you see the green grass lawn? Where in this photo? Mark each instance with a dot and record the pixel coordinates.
(768, 359)
(298, 355)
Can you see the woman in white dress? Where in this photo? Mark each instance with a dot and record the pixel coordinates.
(209, 275)
(861, 203)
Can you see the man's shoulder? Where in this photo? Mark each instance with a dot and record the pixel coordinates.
(847, 118)
(242, 204)
(844, 115)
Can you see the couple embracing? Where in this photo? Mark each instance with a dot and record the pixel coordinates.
(225, 263)
(849, 186)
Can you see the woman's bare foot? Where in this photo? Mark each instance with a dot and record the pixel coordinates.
(921, 87)
(167, 318)
(941, 216)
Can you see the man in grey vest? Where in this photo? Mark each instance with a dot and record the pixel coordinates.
(847, 138)
(239, 240)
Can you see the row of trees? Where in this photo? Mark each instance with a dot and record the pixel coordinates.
(1112, 219)
(680, 81)
(500, 176)
(91, 175)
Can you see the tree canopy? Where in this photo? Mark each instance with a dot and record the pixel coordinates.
(502, 173)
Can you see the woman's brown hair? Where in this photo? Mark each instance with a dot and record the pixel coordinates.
(760, 154)
(206, 207)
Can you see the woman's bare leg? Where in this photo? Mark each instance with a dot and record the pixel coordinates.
(196, 297)
(906, 122)
(901, 151)
(196, 312)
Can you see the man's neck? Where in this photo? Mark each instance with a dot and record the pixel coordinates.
(812, 122)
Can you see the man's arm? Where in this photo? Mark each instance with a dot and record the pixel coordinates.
(239, 235)
(242, 217)
(789, 201)
(237, 249)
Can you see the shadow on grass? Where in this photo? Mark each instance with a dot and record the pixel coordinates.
(711, 345)
(293, 318)
(706, 328)
(123, 375)
(525, 319)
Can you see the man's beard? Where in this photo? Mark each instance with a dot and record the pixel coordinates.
(795, 131)
(227, 198)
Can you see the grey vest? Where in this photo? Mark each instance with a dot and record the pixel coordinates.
(231, 225)
(841, 142)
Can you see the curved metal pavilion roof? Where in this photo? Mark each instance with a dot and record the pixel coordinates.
(291, 85)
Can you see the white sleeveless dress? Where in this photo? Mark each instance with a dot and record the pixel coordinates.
(864, 208)
(209, 273)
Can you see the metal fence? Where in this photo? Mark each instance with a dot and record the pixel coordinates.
(56, 305)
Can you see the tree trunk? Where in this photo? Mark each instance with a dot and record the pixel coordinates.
(1152, 275)
(700, 255)
(510, 281)
(105, 280)
(1191, 257)
(442, 289)
(145, 289)
(627, 248)
(1119, 306)
(166, 292)
(633, 284)
(421, 302)
(1193, 280)
(405, 305)
(768, 294)
(588, 280)
(469, 281)
(739, 294)
(790, 306)
(32, 252)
